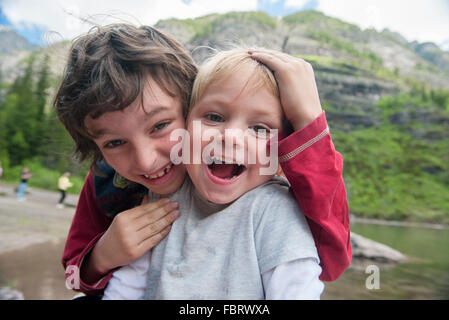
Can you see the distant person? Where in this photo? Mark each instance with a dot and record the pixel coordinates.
(63, 184)
(1, 171)
(24, 177)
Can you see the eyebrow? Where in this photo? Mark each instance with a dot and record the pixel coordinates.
(98, 133)
(256, 111)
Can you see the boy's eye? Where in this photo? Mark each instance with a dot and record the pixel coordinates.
(260, 129)
(114, 143)
(214, 117)
(160, 126)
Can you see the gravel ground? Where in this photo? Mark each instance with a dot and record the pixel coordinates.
(33, 221)
(32, 237)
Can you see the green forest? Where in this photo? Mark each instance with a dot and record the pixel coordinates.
(30, 132)
(400, 171)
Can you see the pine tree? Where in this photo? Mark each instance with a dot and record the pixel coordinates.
(19, 113)
(39, 103)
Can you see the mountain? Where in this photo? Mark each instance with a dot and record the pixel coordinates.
(11, 41)
(432, 53)
(354, 68)
(13, 49)
(445, 45)
(386, 99)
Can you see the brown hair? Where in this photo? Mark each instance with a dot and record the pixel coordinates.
(107, 70)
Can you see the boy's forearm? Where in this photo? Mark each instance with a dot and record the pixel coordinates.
(81, 241)
(93, 266)
(314, 169)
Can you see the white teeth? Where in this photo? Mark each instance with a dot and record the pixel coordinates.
(167, 169)
(160, 174)
(217, 160)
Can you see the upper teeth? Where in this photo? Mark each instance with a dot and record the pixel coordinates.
(219, 160)
(160, 174)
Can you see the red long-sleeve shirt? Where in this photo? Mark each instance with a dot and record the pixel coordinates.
(312, 166)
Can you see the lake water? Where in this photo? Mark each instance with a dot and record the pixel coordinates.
(36, 270)
(424, 276)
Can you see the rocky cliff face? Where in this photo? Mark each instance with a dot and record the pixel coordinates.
(354, 68)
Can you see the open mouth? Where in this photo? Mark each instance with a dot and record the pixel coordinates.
(224, 172)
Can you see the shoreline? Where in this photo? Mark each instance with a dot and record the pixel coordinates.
(397, 223)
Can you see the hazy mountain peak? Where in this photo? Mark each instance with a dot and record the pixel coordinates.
(11, 41)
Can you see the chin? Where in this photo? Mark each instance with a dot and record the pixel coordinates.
(219, 197)
(170, 186)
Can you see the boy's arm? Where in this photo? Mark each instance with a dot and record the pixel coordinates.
(129, 282)
(88, 225)
(294, 280)
(310, 162)
(97, 245)
(314, 170)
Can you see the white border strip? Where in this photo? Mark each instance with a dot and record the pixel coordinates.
(300, 149)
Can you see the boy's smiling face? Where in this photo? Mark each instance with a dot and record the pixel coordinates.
(233, 104)
(136, 141)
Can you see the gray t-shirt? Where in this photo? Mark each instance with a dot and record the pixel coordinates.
(220, 251)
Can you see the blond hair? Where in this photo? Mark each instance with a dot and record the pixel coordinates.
(223, 64)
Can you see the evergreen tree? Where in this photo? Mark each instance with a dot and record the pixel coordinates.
(20, 112)
(39, 103)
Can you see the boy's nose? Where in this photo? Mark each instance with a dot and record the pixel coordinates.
(233, 139)
(145, 158)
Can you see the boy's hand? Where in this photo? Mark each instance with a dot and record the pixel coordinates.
(132, 233)
(297, 87)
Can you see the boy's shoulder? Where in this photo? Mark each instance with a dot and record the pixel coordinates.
(281, 231)
(114, 193)
(273, 198)
(276, 188)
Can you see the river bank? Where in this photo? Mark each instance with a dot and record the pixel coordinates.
(33, 233)
(436, 226)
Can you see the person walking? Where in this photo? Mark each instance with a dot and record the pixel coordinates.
(24, 177)
(63, 184)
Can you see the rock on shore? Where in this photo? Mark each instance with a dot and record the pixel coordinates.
(10, 294)
(364, 248)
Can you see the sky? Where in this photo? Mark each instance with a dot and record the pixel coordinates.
(45, 21)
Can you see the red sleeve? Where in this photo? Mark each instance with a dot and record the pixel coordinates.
(88, 225)
(314, 169)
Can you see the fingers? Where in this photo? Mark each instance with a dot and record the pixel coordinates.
(148, 243)
(286, 58)
(276, 60)
(151, 229)
(151, 214)
(147, 207)
(272, 61)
